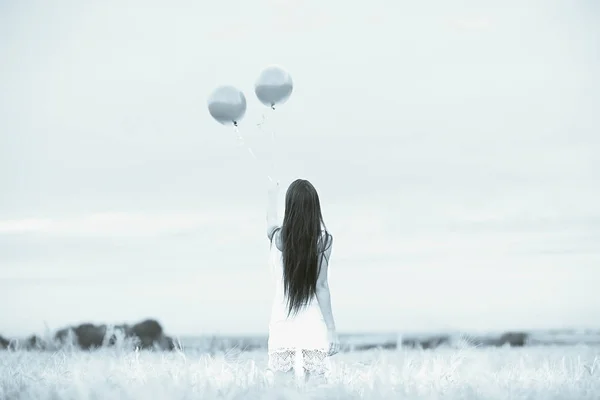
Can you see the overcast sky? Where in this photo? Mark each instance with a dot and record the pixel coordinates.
(455, 147)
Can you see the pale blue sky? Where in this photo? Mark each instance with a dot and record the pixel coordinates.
(455, 146)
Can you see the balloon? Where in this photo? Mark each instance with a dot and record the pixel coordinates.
(274, 86)
(227, 105)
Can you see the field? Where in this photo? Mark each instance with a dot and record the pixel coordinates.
(561, 372)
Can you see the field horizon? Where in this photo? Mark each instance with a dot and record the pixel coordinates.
(149, 334)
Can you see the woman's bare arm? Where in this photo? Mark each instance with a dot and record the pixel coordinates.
(272, 224)
(323, 293)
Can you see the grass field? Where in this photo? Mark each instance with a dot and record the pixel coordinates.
(489, 373)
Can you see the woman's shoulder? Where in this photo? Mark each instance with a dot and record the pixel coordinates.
(276, 240)
(325, 241)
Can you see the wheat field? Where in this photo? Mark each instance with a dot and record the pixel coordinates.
(547, 373)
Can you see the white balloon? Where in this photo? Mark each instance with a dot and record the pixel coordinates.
(274, 86)
(227, 105)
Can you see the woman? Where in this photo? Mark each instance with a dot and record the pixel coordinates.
(302, 332)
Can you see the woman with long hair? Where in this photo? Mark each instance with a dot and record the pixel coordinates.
(302, 332)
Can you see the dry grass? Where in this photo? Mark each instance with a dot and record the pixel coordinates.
(496, 373)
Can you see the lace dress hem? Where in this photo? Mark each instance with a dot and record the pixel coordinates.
(311, 360)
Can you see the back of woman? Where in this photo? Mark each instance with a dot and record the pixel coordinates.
(302, 332)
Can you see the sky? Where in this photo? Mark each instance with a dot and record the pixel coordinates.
(455, 147)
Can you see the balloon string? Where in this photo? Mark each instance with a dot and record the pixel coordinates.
(243, 143)
(273, 148)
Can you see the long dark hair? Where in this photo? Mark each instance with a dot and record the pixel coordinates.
(301, 244)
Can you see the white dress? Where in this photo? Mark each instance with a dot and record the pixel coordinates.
(299, 341)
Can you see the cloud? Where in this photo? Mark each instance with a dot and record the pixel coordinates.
(234, 30)
(294, 23)
(470, 23)
(121, 223)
